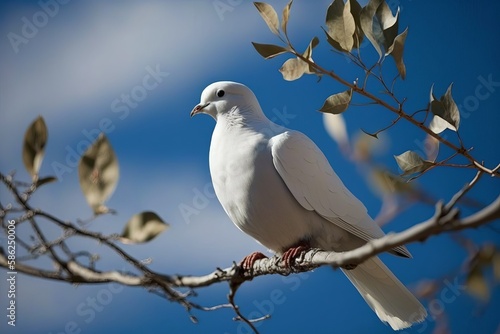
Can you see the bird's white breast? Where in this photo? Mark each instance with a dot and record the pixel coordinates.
(247, 185)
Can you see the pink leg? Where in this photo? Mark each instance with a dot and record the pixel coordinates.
(288, 257)
(249, 260)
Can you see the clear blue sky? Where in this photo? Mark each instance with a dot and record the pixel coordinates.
(76, 69)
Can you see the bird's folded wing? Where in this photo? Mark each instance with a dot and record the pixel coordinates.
(312, 181)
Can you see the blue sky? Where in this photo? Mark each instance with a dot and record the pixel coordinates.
(75, 71)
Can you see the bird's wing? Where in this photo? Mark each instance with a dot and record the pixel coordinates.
(312, 181)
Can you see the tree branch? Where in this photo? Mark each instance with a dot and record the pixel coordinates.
(442, 221)
(397, 110)
(445, 219)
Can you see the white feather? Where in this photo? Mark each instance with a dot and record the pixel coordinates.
(385, 294)
(278, 187)
(315, 185)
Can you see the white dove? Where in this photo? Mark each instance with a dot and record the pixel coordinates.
(277, 186)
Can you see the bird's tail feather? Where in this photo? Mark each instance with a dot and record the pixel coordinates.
(385, 294)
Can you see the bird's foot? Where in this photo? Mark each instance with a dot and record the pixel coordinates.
(249, 260)
(288, 258)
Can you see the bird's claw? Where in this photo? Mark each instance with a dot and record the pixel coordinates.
(288, 258)
(249, 260)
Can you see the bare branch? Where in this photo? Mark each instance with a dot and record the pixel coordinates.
(464, 190)
(446, 219)
(441, 222)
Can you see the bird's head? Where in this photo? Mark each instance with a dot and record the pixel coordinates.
(224, 97)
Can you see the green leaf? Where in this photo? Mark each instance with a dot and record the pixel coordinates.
(337, 103)
(98, 172)
(410, 163)
(341, 25)
(286, 14)
(445, 110)
(35, 139)
(143, 227)
(477, 285)
(269, 50)
(396, 51)
(293, 69)
(269, 15)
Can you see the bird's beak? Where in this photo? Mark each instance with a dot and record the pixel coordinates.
(198, 109)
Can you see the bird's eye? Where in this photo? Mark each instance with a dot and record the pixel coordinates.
(220, 93)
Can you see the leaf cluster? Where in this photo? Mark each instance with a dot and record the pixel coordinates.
(347, 24)
(98, 172)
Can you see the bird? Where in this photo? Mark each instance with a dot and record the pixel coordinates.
(277, 186)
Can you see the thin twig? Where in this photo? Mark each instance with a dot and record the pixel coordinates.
(233, 287)
(463, 191)
(399, 111)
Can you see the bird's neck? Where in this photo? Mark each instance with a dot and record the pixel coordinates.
(244, 116)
